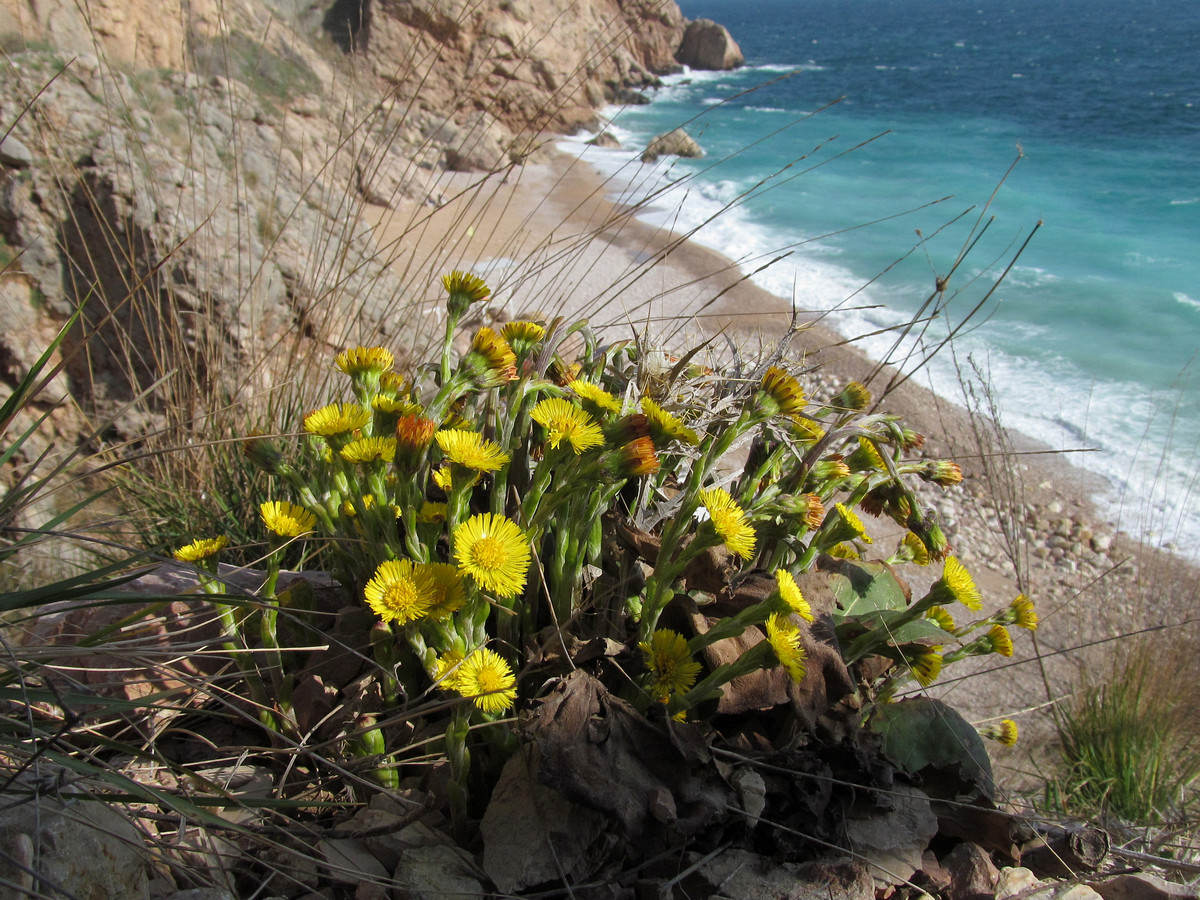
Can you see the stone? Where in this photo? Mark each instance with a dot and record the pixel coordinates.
(672, 143)
(347, 861)
(605, 139)
(80, 847)
(1016, 881)
(707, 45)
(531, 833)
(1141, 886)
(892, 841)
(14, 154)
(973, 876)
(435, 873)
(742, 875)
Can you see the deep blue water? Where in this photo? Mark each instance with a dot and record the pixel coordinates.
(1092, 339)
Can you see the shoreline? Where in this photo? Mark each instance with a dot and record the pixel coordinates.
(547, 238)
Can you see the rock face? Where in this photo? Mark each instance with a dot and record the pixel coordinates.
(672, 143)
(192, 179)
(707, 45)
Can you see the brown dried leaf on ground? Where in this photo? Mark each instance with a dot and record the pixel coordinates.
(598, 751)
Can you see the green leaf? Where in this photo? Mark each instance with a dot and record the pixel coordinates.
(917, 630)
(926, 737)
(863, 587)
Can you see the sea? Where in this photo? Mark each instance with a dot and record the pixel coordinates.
(1039, 160)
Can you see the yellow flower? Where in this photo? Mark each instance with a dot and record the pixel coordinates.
(853, 396)
(806, 431)
(1000, 640)
(523, 337)
(335, 419)
(286, 519)
(464, 289)
(1005, 731)
(956, 585)
(670, 663)
(729, 521)
(941, 471)
(942, 617)
(491, 360)
(665, 427)
(564, 421)
(843, 550)
(486, 678)
(636, 458)
(471, 450)
(809, 509)
(781, 393)
(369, 450)
(445, 669)
(866, 458)
(365, 361)
(843, 525)
(916, 550)
(394, 406)
(790, 592)
(431, 512)
(201, 548)
(393, 385)
(926, 665)
(400, 591)
(494, 552)
(1023, 614)
(597, 396)
(784, 637)
(448, 591)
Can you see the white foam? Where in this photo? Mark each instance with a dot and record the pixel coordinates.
(1183, 298)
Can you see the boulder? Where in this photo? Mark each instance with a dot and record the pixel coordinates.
(707, 45)
(672, 143)
(605, 139)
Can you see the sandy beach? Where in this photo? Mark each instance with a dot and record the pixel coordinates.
(550, 242)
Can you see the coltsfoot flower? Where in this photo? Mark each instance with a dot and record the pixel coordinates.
(955, 586)
(471, 450)
(463, 289)
(370, 449)
(564, 421)
(780, 393)
(200, 549)
(1000, 640)
(790, 592)
(401, 591)
(666, 428)
(336, 419)
(1022, 614)
(448, 591)
(941, 616)
(672, 669)
(596, 396)
(365, 361)
(1005, 731)
(487, 680)
(926, 665)
(286, 519)
(494, 552)
(729, 521)
(784, 637)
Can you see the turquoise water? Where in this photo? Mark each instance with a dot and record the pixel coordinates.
(1091, 339)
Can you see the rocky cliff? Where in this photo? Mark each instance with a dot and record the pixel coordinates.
(190, 174)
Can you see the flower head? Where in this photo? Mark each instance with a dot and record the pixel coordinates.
(336, 419)
(1005, 731)
(809, 509)
(370, 362)
(672, 669)
(463, 289)
(487, 679)
(729, 521)
(370, 449)
(413, 437)
(494, 552)
(401, 591)
(866, 458)
(780, 393)
(471, 450)
(634, 459)
(564, 421)
(595, 396)
(431, 512)
(926, 665)
(523, 337)
(912, 550)
(853, 396)
(1000, 640)
(201, 549)
(843, 525)
(1022, 614)
(941, 471)
(448, 593)
(490, 361)
(665, 427)
(806, 431)
(784, 637)
(286, 519)
(942, 617)
(393, 385)
(955, 586)
(790, 592)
